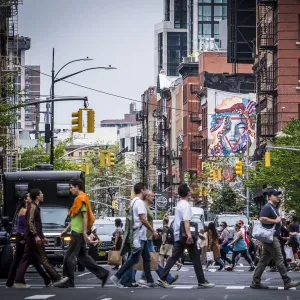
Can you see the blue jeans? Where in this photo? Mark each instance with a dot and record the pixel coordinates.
(160, 268)
(129, 277)
(134, 259)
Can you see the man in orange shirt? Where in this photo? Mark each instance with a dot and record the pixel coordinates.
(82, 219)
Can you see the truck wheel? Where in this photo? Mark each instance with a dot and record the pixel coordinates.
(6, 259)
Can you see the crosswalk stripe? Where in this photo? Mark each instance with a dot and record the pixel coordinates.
(235, 287)
(39, 297)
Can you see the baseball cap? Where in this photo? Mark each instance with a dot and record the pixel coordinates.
(274, 192)
(241, 222)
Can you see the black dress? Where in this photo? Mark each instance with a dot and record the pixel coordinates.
(93, 249)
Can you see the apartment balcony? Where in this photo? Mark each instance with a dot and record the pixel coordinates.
(266, 79)
(266, 33)
(196, 144)
(266, 124)
(195, 117)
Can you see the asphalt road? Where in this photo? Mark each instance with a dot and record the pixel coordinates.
(229, 285)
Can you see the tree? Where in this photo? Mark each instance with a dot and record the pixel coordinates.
(109, 183)
(225, 200)
(285, 167)
(36, 155)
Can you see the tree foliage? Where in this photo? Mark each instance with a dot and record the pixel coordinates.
(37, 155)
(225, 200)
(285, 167)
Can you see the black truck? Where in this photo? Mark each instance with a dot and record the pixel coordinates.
(54, 209)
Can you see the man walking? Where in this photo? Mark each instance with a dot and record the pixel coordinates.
(183, 213)
(82, 219)
(139, 246)
(35, 241)
(269, 217)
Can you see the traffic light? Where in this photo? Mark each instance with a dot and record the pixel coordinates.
(239, 168)
(102, 159)
(90, 121)
(77, 121)
(87, 169)
(268, 159)
(205, 191)
(131, 194)
(219, 174)
(114, 204)
(110, 159)
(212, 175)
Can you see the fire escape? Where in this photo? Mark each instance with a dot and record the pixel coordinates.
(160, 137)
(265, 70)
(142, 142)
(10, 72)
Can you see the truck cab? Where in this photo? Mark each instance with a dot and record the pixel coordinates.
(54, 209)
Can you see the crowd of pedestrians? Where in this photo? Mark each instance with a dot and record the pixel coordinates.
(140, 242)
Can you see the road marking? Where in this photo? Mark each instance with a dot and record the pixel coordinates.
(81, 275)
(40, 297)
(163, 297)
(84, 287)
(226, 296)
(235, 287)
(183, 286)
(268, 279)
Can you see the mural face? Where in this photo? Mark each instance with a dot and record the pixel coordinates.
(231, 126)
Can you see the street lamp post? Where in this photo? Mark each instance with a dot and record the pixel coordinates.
(54, 80)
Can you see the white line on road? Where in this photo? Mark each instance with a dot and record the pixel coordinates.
(163, 297)
(84, 287)
(39, 297)
(183, 286)
(226, 296)
(267, 279)
(235, 287)
(81, 275)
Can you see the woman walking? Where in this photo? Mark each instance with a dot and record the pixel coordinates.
(224, 239)
(94, 241)
(240, 247)
(20, 244)
(118, 238)
(213, 245)
(203, 244)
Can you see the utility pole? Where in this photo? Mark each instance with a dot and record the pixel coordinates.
(52, 113)
(247, 177)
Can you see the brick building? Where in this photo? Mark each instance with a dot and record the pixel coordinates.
(277, 66)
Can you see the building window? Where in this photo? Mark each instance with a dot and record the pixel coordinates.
(122, 144)
(184, 94)
(180, 14)
(167, 10)
(298, 72)
(205, 13)
(185, 125)
(132, 142)
(298, 28)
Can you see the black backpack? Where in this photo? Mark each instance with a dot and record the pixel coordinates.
(157, 242)
(170, 235)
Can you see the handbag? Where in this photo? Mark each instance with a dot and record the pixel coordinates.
(210, 256)
(153, 265)
(114, 258)
(193, 229)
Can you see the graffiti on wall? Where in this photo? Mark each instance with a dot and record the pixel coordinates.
(231, 126)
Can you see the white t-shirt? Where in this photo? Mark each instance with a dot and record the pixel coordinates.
(139, 208)
(183, 212)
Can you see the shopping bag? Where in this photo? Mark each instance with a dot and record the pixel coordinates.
(154, 262)
(114, 258)
(289, 253)
(210, 256)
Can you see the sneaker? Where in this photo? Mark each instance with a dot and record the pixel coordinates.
(221, 268)
(179, 266)
(116, 281)
(132, 285)
(163, 284)
(205, 285)
(61, 281)
(21, 286)
(229, 269)
(151, 285)
(48, 284)
(142, 281)
(291, 284)
(104, 279)
(252, 268)
(174, 279)
(258, 286)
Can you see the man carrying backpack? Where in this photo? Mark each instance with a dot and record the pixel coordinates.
(167, 242)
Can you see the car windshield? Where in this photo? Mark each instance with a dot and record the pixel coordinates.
(232, 220)
(54, 216)
(197, 220)
(105, 229)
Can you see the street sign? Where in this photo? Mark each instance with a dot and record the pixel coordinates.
(161, 201)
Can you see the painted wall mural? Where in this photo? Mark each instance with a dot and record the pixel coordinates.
(231, 125)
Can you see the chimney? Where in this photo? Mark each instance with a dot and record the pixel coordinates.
(131, 108)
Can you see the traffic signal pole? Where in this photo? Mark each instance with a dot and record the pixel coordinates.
(247, 177)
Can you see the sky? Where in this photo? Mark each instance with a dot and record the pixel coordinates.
(119, 33)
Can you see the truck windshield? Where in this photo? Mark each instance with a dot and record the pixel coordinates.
(54, 216)
(105, 229)
(232, 220)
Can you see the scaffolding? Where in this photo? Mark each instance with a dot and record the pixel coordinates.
(265, 69)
